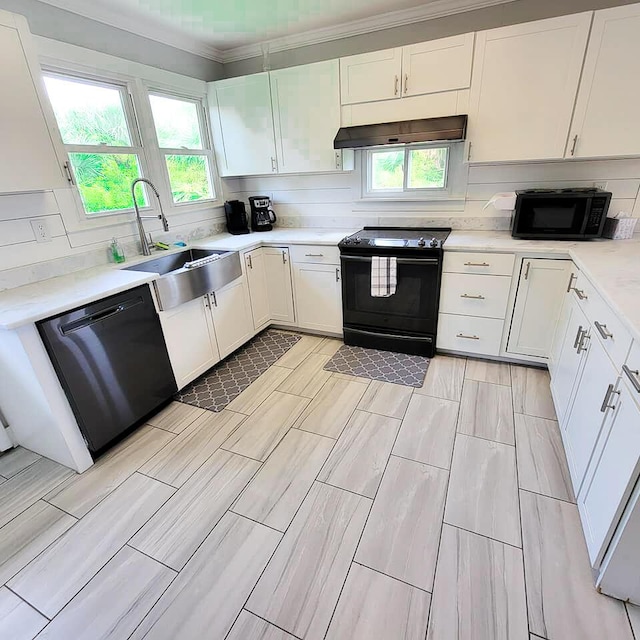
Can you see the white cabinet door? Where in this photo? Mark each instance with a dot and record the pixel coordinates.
(318, 293)
(563, 321)
(523, 88)
(277, 267)
(437, 65)
(243, 125)
(569, 361)
(27, 158)
(258, 290)
(541, 291)
(306, 114)
(232, 316)
(585, 418)
(371, 76)
(191, 342)
(605, 122)
(612, 473)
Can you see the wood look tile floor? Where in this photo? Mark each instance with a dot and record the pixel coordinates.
(316, 506)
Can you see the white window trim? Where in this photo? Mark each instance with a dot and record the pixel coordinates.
(455, 176)
(207, 148)
(152, 162)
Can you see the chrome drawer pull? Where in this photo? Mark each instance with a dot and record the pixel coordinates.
(526, 273)
(581, 294)
(602, 330)
(581, 346)
(634, 377)
(571, 279)
(461, 335)
(314, 255)
(578, 337)
(607, 397)
(478, 297)
(477, 264)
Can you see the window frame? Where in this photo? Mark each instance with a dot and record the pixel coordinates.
(206, 151)
(137, 145)
(455, 175)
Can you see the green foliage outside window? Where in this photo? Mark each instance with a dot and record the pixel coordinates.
(427, 169)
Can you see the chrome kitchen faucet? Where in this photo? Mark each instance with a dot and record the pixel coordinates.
(147, 245)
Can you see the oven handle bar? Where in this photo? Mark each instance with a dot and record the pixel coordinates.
(419, 261)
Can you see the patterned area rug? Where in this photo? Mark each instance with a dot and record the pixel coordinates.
(215, 389)
(386, 366)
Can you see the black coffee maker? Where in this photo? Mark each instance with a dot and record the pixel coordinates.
(236, 214)
(262, 215)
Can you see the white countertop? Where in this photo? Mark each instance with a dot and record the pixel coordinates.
(612, 266)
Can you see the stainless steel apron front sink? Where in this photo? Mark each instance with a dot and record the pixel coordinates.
(178, 284)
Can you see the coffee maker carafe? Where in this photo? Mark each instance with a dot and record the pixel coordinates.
(262, 215)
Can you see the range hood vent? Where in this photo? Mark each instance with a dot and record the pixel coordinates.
(408, 131)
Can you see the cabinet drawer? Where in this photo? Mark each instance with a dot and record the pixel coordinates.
(473, 335)
(471, 295)
(611, 332)
(314, 253)
(497, 264)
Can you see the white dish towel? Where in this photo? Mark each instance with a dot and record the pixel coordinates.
(384, 276)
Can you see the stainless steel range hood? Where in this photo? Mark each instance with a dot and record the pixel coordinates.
(408, 131)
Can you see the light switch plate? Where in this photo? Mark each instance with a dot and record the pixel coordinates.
(601, 185)
(41, 230)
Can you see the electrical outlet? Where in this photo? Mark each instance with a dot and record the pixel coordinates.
(601, 185)
(41, 230)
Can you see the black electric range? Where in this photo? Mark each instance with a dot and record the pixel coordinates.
(407, 321)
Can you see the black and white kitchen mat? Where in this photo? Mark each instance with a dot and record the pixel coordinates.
(386, 366)
(215, 389)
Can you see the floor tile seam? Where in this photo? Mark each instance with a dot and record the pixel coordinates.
(473, 435)
(546, 495)
(633, 633)
(264, 524)
(31, 606)
(23, 468)
(388, 575)
(446, 499)
(483, 535)
(424, 464)
(264, 620)
(322, 435)
(498, 384)
(186, 425)
(144, 553)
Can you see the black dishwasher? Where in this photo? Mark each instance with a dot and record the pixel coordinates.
(112, 362)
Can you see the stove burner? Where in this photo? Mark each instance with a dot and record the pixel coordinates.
(396, 240)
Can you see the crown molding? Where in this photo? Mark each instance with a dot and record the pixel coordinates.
(430, 11)
(125, 19)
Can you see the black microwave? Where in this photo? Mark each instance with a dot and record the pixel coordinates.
(560, 214)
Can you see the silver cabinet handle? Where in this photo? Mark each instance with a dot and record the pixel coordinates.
(602, 330)
(215, 300)
(573, 146)
(581, 294)
(249, 262)
(206, 302)
(526, 273)
(578, 337)
(314, 255)
(634, 376)
(571, 279)
(478, 297)
(581, 345)
(274, 164)
(461, 335)
(406, 82)
(337, 275)
(607, 396)
(395, 86)
(284, 257)
(477, 264)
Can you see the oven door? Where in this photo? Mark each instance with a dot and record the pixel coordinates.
(552, 217)
(413, 309)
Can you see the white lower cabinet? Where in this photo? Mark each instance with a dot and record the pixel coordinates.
(538, 303)
(469, 334)
(232, 316)
(277, 269)
(614, 469)
(258, 290)
(318, 293)
(191, 340)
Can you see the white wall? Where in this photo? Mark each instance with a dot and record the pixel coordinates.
(333, 199)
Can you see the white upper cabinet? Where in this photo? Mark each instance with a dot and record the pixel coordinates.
(27, 153)
(606, 116)
(306, 110)
(371, 76)
(523, 88)
(243, 125)
(438, 65)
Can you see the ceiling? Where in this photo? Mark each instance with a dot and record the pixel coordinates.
(232, 29)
